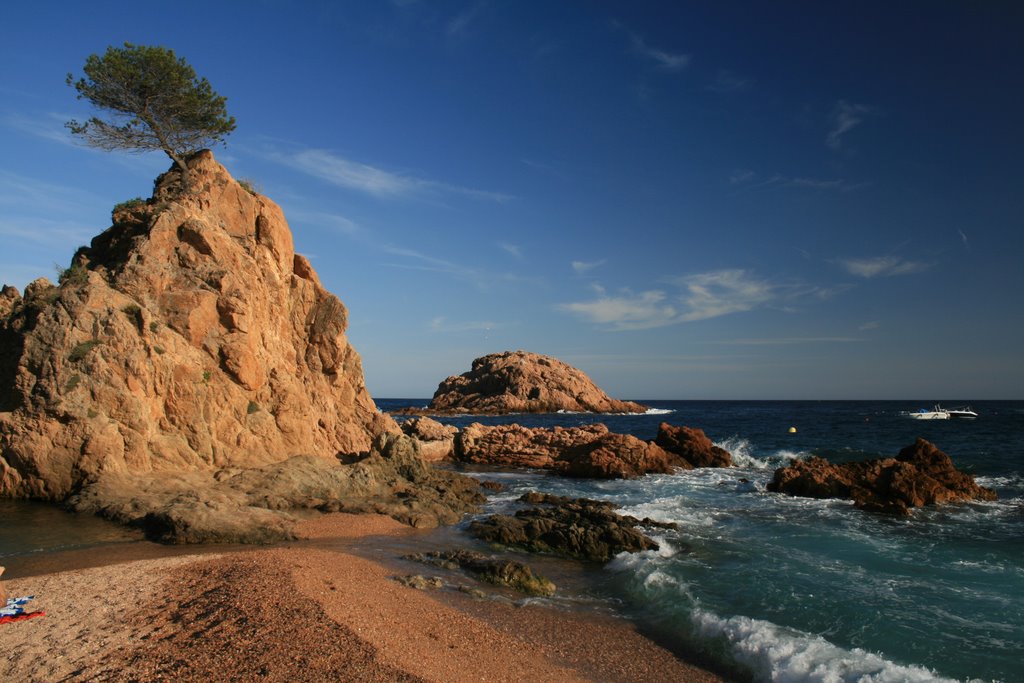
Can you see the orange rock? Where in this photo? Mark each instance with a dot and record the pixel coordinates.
(522, 382)
(188, 336)
(587, 451)
(920, 475)
(692, 446)
(437, 441)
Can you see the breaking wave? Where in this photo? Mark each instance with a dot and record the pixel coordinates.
(778, 654)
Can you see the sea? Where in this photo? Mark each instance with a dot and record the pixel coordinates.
(764, 586)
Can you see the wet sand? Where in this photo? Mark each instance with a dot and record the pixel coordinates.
(302, 613)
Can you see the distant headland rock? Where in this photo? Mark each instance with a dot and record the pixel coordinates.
(522, 382)
(189, 337)
(920, 475)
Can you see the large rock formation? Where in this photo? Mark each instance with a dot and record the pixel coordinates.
(587, 451)
(920, 475)
(521, 382)
(189, 336)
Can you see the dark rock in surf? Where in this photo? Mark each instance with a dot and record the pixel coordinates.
(920, 475)
(573, 527)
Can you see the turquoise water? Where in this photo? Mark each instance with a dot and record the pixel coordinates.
(797, 589)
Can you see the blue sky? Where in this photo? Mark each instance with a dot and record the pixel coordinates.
(685, 200)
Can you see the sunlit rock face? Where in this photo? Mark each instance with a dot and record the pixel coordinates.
(188, 336)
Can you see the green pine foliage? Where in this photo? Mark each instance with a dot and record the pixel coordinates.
(154, 100)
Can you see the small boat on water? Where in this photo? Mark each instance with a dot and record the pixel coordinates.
(940, 413)
(937, 413)
(962, 413)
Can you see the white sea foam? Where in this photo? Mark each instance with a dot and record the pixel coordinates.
(781, 655)
(1013, 480)
(658, 411)
(742, 451)
(644, 562)
(671, 509)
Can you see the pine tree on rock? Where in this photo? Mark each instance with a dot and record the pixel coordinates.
(155, 102)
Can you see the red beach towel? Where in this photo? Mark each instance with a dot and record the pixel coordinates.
(21, 617)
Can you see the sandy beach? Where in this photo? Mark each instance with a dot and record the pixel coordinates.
(297, 613)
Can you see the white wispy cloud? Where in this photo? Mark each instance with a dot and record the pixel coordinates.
(750, 180)
(741, 176)
(627, 311)
(883, 266)
(870, 325)
(963, 238)
(845, 117)
(407, 258)
(700, 297)
(459, 24)
(581, 267)
(728, 82)
(361, 177)
(513, 249)
(481, 278)
(331, 221)
(443, 325)
(46, 231)
(788, 341)
(710, 295)
(32, 201)
(669, 61)
(48, 126)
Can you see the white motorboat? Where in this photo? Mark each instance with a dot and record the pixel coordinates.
(937, 413)
(962, 413)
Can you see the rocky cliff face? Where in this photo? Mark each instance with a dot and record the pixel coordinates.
(188, 337)
(521, 382)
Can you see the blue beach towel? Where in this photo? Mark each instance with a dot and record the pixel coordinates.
(15, 606)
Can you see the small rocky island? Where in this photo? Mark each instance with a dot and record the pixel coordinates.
(523, 382)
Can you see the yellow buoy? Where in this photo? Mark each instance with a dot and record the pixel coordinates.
(792, 430)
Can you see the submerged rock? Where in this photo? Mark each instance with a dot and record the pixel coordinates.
(574, 527)
(920, 475)
(522, 382)
(509, 573)
(420, 582)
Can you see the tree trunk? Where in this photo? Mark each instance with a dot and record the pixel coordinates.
(186, 176)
